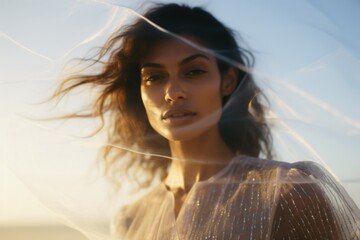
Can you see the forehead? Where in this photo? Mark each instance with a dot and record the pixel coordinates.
(164, 50)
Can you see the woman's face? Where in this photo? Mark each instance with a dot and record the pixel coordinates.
(180, 89)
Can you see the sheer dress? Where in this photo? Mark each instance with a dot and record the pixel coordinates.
(249, 199)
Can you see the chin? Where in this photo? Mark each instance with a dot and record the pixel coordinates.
(179, 134)
(187, 133)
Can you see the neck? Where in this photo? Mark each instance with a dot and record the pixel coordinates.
(197, 160)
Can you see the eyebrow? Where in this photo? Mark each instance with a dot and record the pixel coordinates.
(182, 62)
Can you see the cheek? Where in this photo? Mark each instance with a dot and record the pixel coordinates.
(211, 95)
(153, 112)
(151, 102)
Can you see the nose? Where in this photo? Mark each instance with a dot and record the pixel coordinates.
(174, 91)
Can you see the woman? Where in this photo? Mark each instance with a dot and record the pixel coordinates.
(179, 88)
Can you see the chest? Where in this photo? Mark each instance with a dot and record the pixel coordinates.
(214, 211)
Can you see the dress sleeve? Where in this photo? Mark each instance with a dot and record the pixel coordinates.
(312, 205)
(120, 224)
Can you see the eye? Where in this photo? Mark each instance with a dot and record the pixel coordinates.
(152, 78)
(195, 72)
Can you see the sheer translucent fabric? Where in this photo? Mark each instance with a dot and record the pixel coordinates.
(249, 199)
(307, 64)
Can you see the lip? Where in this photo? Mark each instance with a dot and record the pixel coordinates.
(177, 116)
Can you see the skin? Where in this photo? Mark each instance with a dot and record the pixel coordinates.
(181, 89)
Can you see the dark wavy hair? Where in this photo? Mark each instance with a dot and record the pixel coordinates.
(242, 125)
